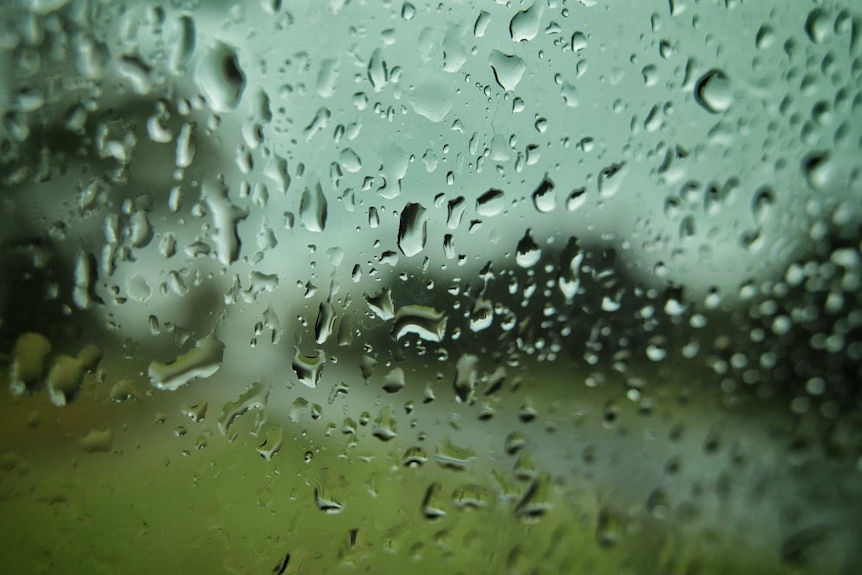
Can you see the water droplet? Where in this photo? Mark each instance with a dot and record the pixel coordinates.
(138, 288)
(452, 456)
(611, 179)
(818, 25)
(325, 323)
(381, 304)
(220, 78)
(762, 204)
(536, 501)
(426, 322)
(350, 161)
(272, 442)
(432, 99)
(186, 147)
(609, 528)
(528, 252)
(225, 217)
(29, 363)
(313, 208)
(713, 92)
(308, 367)
(470, 496)
(183, 45)
(576, 199)
(196, 412)
(86, 274)
(198, 363)
(412, 229)
(515, 441)
(394, 381)
(64, 379)
(97, 441)
(319, 122)
(377, 72)
(432, 502)
(765, 37)
(578, 42)
(327, 78)
(525, 24)
(414, 457)
(508, 70)
(255, 397)
(819, 170)
(545, 196)
(481, 25)
(385, 427)
(465, 377)
(323, 491)
(490, 203)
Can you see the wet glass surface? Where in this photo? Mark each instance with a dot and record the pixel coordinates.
(446, 287)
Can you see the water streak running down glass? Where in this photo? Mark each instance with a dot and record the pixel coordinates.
(519, 287)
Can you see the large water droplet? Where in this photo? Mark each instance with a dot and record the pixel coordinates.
(545, 196)
(508, 70)
(412, 230)
(490, 203)
(225, 216)
(525, 24)
(432, 100)
(713, 92)
(465, 377)
(313, 208)
(818, 25)
(819, 170)
(255, 397)
(308, 367)
(221, 79)
(29, 363)
(426, 322)
(528, 252)
(198, 363)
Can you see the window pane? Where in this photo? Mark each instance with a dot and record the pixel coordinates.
(369, 285)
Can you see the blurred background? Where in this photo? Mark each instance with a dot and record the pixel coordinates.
(510, 287)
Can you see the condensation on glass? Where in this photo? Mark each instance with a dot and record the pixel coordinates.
(521, 287)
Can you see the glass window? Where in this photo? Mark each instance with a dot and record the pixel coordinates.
(537, 286)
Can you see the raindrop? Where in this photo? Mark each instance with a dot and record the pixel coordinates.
(432, 502)
(817, 25)
(761, 205)
(465, 377)
(220, 78)
(508, 69)
(394, 381)
(29, 363)
(713, 92)
(426, 322)
(490, 203)
(200, 362)
(308, 367)
(272, 442)
(528, 252)
(525, 24)
(481, 24)
(385, 427)
(545, 197)
(412, 229)
(97, 441)
(255, 397)
(819, 171)
(313, 208)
